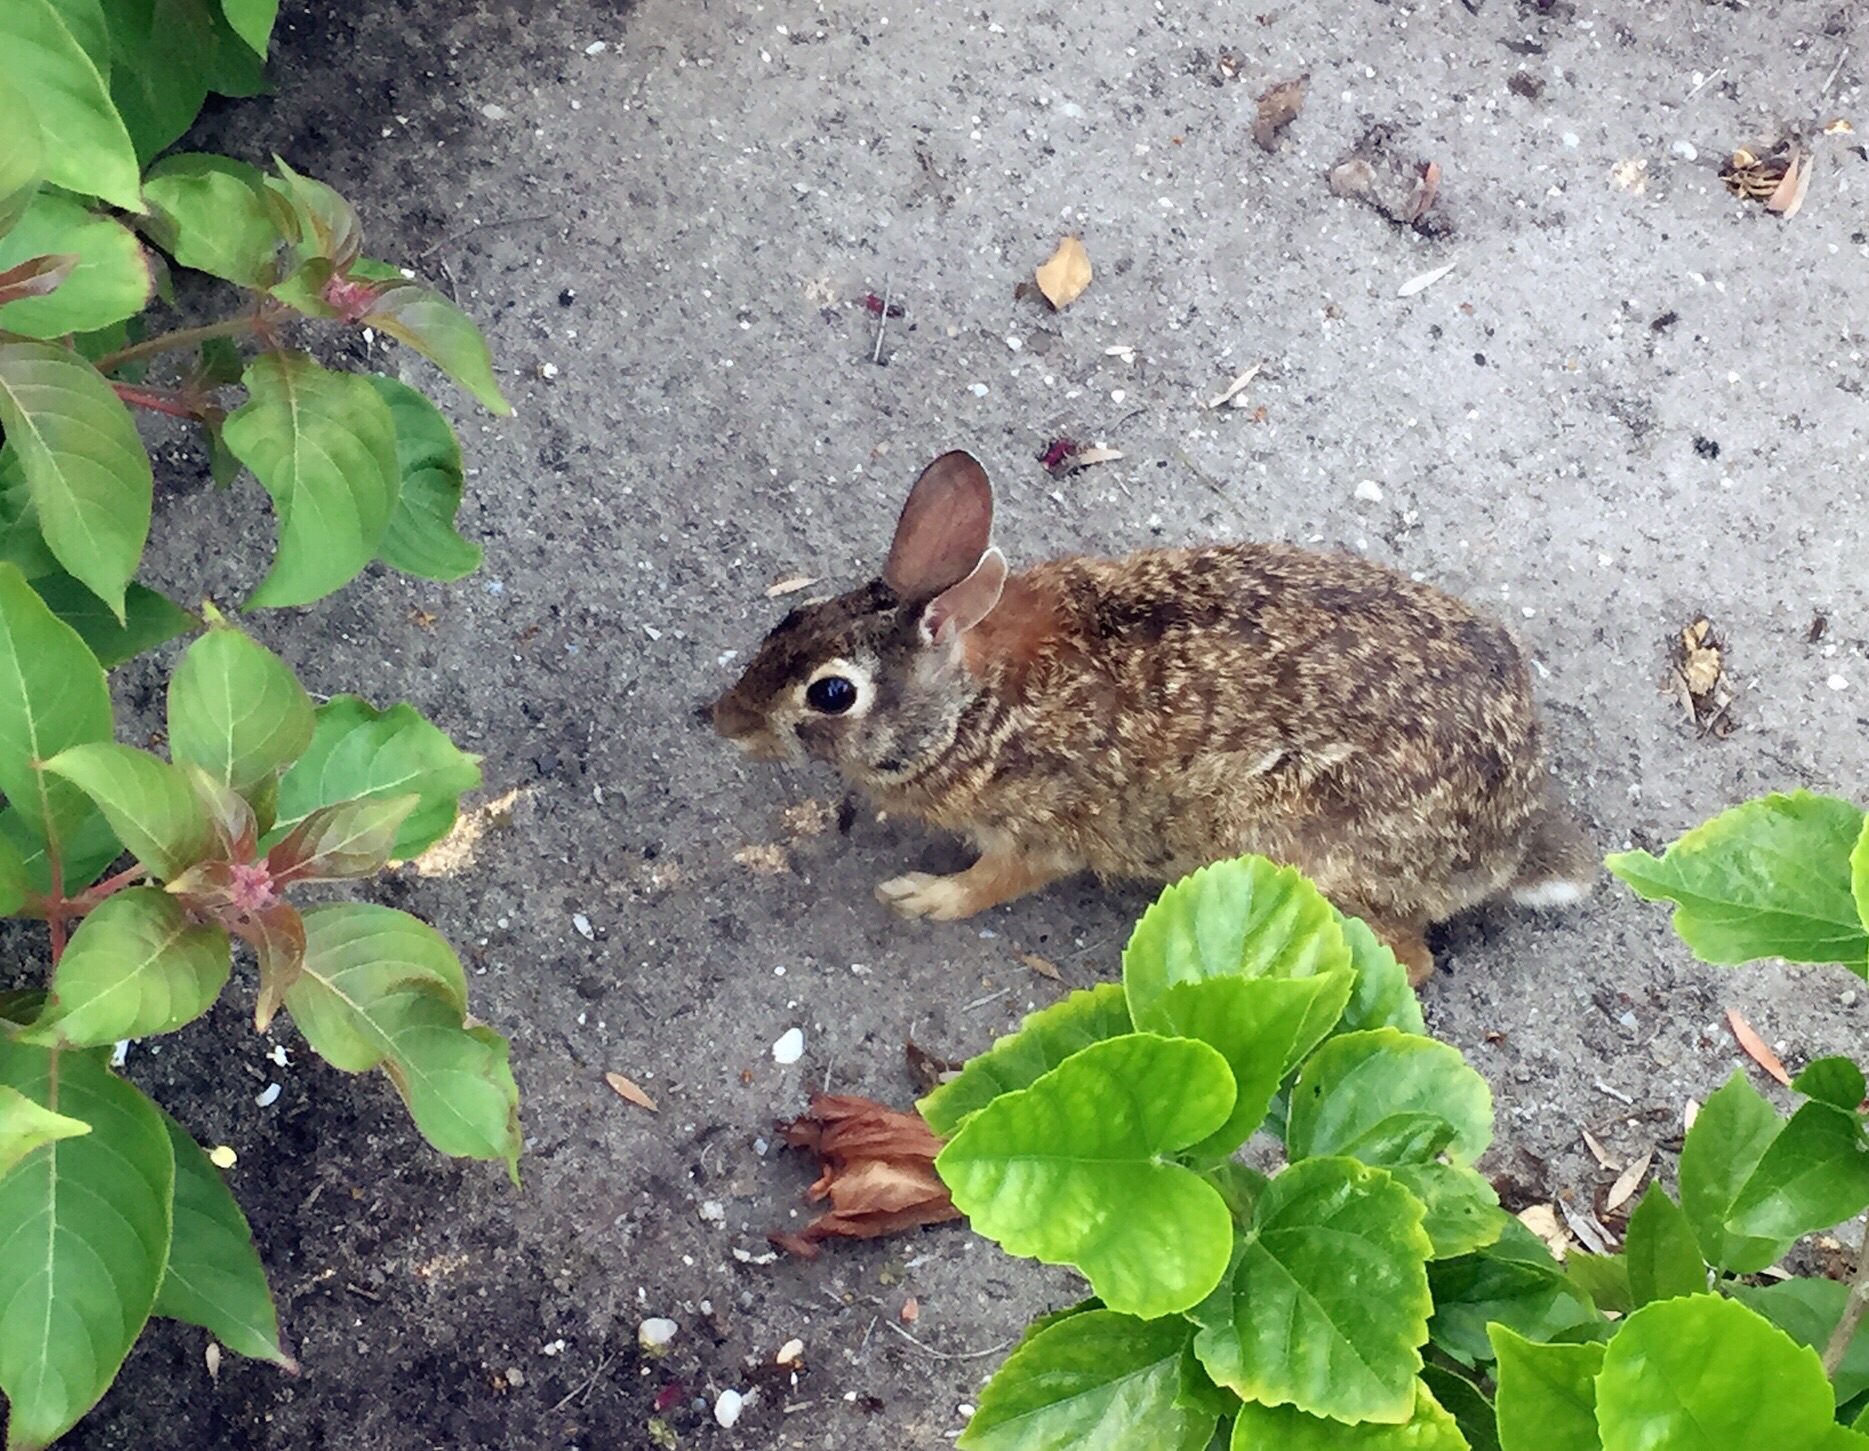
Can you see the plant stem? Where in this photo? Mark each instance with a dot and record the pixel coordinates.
(182, 338)
(55, 920)
(1853, 1309)
(88, 900)
(157, 400)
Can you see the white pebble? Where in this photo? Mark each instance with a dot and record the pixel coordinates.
(655, 1333)
(596, 47)
(1685, 150)
(120, 1053)
(583, 924)
(1837, 682)
(1015, 343)
(965, 1409)
(713, 1211)
(268, 1096)
(1369, 491)
(280, 1057)
(493, 112)
(727, 1408)
(790, 1047)
(979, 390)
(1117, 395)
(1572, 140)
(790, 1352)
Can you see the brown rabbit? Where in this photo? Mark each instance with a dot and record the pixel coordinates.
(1143, 717)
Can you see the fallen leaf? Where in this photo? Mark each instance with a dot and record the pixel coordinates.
(1279, 106)
(1427, 187)
(631, 1091)
(1697, 678)
(1755, 1047)
(1043, 966)
(1125, 351)
(928, 1070)
(1387, 173)
(790, 585)
(1628, 1183)
(875, 1166)
(769, 860)
(1084, 458)
(1064, 278)
(1542, 1220)
(1839, 127)
(1598, 1152)
(1689, 1112)
(1593, 1236)
(1787, 199)
(1424, 280)
(1228, 393)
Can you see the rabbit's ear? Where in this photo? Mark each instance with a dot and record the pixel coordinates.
(960, 607)
(945, 527)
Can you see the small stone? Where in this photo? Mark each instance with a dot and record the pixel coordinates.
(222, 1157)
(979, 390)
(965, 1409)
(1686, 150)
(583, 924)
(791, 1352)
(515, 1377)
(713, 1211)
(1015, 343)
(596, 47)
(268, 1096)
(493, 112)
(727, 1408)
(1369, 491)
(789, 1048)
(1117, 395)
(1837, 682)
(655, 1333)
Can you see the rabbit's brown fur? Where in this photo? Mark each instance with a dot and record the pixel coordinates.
(1143, 717)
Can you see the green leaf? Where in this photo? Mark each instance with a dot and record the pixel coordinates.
(86, 148)
(136, 966)
(380, 987)
(15, 880)
(1093, 1379)
(236, 710)
(162, 50)
(210, 213)
(1326, 1302)
(84, 462)
(26, 1125)
(22, 155)
(1603, 1279)
(147, 802)
(235, 69)
(1464, 1401)
(1018, 1060)
(214, 1278)
(1808, 1310)
(1770, 878)
(52, 695)
(1664, 1261)
(253, 19)
(351, 839)
(1513, 1281)
(1814, 1174)
(421, 538)
(88, 26)
(21, 543)
(1703, 1373)
(1382, 998)
(1463, 1212)
(110, 282)
(1262, 1026)
(1073, 1170)
(88, 1221)
(1547, 1394)
(322, 222)
(1244, 918)
(149, 619)
(442, 333)
(1834, 1080)
(84, 852)
(1388, 1097)
(324, 446)
(1284, 1428)
(1728, 1140)
(359, 751)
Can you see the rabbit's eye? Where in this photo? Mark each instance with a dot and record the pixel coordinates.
(830, 695)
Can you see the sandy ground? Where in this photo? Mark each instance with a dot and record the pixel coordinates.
(1632, 400)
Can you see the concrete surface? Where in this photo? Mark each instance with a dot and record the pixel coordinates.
(668, 238)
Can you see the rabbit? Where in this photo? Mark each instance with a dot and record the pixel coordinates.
(1143, 717)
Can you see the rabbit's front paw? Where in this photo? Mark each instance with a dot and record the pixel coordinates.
(922, 894)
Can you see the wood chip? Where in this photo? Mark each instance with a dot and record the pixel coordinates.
(630, 1090)
(1598, 1152)
(1226, 395)
(765, 861)
(1279, 106)
(1043, 966)
(1756, 1048)
(1631, 1180)
(1085, 457)
(211, 1357)
(1423, 281)
(1788, 197)
(790, 585)
(1064, 278)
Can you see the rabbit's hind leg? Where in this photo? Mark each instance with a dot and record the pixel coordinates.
(997, 877)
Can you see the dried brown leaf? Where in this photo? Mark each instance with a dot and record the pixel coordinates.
(1043, 966)
(630, 1090)
(875, 1166)
(1065, 276)
(1598, 1152)
(1542, 1220)
(1787, 198)
(1229, 394)
(1279, 106)
(1755, 1047)
(1630, 1180)
(1427, 187)
(791, 584)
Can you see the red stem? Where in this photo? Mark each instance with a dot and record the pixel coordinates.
(158, 400)
(55, 917)
(88, 900)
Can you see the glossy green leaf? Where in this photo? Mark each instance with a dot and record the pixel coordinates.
(214, 1278)
(162, 50)
(359, 751)
(1462, 1399)
(1463, 1212)
(1262, 1026)
(88, 1220)
(21, 543)
(1770, 878)
(147, 802)
(22, 155)
(235, 68)
(442, 333)
(1382, 997)
(15, 881)
(85, 146)
(351, 839)
(1834, 1080)
(26, 1125)
(110, 282)
(1728, 1140)
(1703, 1373)
(1664, 1259)
(421, 538)
(1096, 1378)
(1388, 1097)
(1813, 1175)
(210, 213)
(1513, 1281)
(84, 462)
(138, 965)
(380, 987)
(1018, 1060)
(1075, 1170)
(322, 222)
(1808, 1310)
(84, 851)
(149, 619)
(324, 446)
(1326, 1302)
(253, 19)
(236, 710)
(1546, 1399)
(1603, 1279)
(52, 696)
(1285, 1428)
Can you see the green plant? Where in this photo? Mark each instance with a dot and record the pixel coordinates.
(359, 467)
(263, 792)
(1370, 1293)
